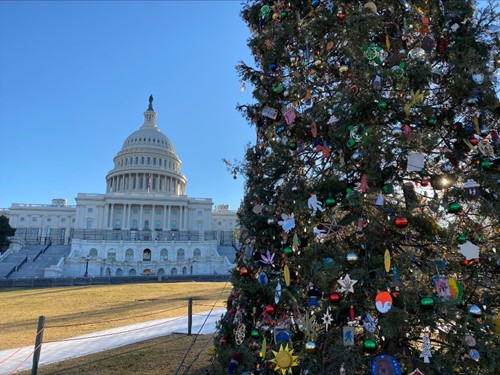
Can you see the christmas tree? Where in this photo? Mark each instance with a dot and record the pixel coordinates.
(370, 222)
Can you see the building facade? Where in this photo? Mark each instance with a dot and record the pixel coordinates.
(143, 224)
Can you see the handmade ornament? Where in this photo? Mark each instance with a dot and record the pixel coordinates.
(284, 359)
(287, 222)
(469, 250)
(347, 285)
(307, 325)
(286, 275)
(268, 258)
(314, 204)
(262, 279)
(415, 162)
(385, 365)
(383, 302)
(239, 334)
(277, 293)
(387, 261)
(270, 112)
(348, 336)
(426, 346)
(369, 323)
(290, 115)
(472, 189)
(375, 54)
(327, 318)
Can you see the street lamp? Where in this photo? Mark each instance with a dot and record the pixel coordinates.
(87, 268)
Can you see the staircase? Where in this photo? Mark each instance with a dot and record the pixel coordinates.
(36, 261)
(227, 251)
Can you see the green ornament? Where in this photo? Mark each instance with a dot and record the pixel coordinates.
(461, 239)
(432, 121)
(369, 345)
(454, 207)
(288, 250)
(382, 105)
(255, 333)
(388, 189)
(427, 302)
(292, 145)
(283, 15)
(330, 201)
(486, 164)
(278, 89)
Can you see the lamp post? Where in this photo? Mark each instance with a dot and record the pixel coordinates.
(86, 268)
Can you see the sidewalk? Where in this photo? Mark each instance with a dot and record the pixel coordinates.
(103, 340)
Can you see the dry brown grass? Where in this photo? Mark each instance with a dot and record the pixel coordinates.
(73, 311)
(161, 356)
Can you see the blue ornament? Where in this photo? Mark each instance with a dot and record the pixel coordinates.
(263, 279)
(315, 3)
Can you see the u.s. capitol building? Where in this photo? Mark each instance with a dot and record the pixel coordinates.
(144, 224)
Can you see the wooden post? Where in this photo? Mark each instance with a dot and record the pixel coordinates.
(190, 315)
(38, 344)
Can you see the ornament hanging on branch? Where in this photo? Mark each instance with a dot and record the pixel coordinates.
(426, 346)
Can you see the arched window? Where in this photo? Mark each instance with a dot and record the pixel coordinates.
(184, 270)
(161, 272)
(108, 271)
(132, 272)
(146, 255)
(118, 224)
(180, 254)
(174, 271)
(119, 272)
(93, 253)
(88, 224)
(196, 253)
(134, 224)
(129, 255)
(146, 224)
(157, 224)
(111, 255)
(164, 254)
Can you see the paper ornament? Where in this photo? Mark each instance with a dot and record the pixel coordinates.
(369, 323)
(383, 302)
(277, 293)
(347, 284)
(387, 261)
(426, 347)
(327, 318)
(348, 336)
(270, 112)
(284, 359)
(415, 162)
(471, 188)
(290, 115)
(469, 250)
(268, 258)
(288, 222)
(314, 204)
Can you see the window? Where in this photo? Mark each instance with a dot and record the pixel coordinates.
(180, 254)
(49, 220)
(93, 253)
(164, 254)
(146, 255)
(88, 224)
(157, 224)
(111, 255)
(154, 161)
(90, 209)
(132, 272)
(149, 160)
(63, 220)
(196, 253)
(174, 213)
(34, 218)
(158, 211)
(219, 223)
(146, 212)
(146, 224)
(200, 226)
(135, 211)
(174, 224)
(200, 213)
(22, 219)
(129, 255)
(118, 224)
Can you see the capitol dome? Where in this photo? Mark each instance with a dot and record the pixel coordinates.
(147, 162)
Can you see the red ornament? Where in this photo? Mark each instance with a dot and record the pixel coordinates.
(473, 141)
(341, 16)
(401, 222)
(243, 271)
(424, 182)
(270, 309)
(223, 340)
(441, 45)
(335, 297)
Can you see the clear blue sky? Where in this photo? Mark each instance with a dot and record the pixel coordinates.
(75, 77)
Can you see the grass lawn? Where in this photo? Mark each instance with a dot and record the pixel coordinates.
(73, 311)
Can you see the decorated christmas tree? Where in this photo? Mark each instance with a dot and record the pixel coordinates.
(370, 222)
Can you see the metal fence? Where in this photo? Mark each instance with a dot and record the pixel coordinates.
(108, 280)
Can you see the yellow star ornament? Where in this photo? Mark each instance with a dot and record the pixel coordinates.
(284, 359)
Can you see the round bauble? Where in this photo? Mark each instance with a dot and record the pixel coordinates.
(401, 222)
(270, 309)
(243, 271)
(369, 345)
(335, 297)
(475, 311)
(461, 239)
(310, 346)
(352, 258)
(427, 302)
(454, 207)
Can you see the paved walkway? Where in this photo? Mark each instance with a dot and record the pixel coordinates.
(15, 360)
